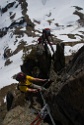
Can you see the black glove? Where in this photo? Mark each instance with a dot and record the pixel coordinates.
(48, 80)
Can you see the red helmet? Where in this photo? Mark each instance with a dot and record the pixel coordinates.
(47, 29)
(20, 76)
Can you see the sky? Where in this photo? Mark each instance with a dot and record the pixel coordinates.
(60, 12)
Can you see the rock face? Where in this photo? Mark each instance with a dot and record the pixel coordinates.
(37, 62)
(24, 114)
(66, 95)
(59, 58)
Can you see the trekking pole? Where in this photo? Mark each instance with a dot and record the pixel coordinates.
(48, 109)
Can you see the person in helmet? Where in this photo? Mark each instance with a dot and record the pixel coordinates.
(45, 37)
(26, 83)
(47, 32)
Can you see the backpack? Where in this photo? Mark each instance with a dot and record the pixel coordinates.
(47, 31)
(9, 100)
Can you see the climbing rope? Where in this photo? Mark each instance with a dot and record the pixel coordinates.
(41, 116)
(48, 109)
(44, 111)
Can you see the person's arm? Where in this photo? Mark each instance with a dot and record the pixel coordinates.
(32, 90)
(39, 80)
(32, 79)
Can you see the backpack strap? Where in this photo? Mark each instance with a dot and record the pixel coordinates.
(21, 85)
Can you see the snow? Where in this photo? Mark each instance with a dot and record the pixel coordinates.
(5, 17)
(8, 71)
(60, 12)
(70, 50)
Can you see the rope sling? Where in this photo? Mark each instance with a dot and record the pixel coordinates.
(41, 116)
(48, 109)
(44, 112)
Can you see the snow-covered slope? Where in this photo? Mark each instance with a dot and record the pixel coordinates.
(58, 15)
(60, 12)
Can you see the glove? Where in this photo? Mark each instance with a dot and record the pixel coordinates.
(48, 80)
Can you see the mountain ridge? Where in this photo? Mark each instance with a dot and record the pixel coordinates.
(21, 24)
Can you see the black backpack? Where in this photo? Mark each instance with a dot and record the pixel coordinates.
(9, 100)
(47, 31)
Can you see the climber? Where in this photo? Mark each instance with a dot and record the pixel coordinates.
(26, 83)
(41, 116)
(45, 37)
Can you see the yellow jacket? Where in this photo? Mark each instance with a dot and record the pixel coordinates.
(28, 81)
